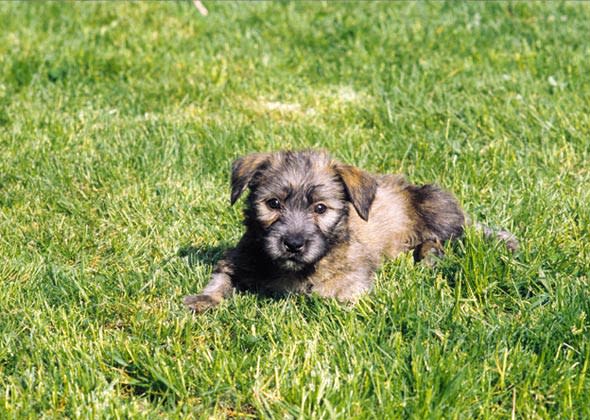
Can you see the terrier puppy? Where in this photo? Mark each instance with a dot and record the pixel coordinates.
(315, 225)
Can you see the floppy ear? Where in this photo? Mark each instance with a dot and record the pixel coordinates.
(360, 187)
(243, 169)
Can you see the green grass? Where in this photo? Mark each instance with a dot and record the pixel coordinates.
(118, 125)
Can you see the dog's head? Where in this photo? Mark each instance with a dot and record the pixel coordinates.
(299, 202)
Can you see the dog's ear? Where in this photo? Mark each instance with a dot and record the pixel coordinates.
(360, 187)
(243, 170)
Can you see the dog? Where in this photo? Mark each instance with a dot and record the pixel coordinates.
(318, 226)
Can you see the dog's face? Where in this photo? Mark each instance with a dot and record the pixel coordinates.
(299, 203)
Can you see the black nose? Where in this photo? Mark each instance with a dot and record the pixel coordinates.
(294, 243)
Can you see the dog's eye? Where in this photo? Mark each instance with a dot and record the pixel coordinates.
(320, 208)
(274, 204)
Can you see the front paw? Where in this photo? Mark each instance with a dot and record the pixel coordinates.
(199, 303)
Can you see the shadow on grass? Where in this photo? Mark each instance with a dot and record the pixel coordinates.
(206, 254)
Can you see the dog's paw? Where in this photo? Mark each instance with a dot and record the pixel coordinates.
(199, 303)
(432, 258)
(429, 253)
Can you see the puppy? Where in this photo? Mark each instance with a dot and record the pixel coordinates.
(315, 225)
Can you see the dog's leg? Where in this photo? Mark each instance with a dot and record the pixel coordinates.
(219, 287)
(346, 288)
(439, 219)
(429, 253)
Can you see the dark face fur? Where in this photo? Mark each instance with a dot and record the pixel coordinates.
(299, 203)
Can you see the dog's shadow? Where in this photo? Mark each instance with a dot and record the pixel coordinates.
(203, 254)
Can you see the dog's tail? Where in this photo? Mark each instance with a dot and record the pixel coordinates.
(508, 238)
(442, 219)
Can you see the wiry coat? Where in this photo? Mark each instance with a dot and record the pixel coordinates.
(315, 225)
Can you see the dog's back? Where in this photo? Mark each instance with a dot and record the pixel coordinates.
(403, 216)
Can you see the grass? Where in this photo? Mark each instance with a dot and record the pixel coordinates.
(118, 125)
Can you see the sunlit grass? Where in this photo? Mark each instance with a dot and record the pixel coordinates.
(118, 125)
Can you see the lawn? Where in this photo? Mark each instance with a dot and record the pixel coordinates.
(118, 126)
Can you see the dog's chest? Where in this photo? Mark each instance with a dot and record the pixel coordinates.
(343, 270)
(321, 280)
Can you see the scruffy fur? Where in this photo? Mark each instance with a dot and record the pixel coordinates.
(315, 225)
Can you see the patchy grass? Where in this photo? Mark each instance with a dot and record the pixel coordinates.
(118, 124)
